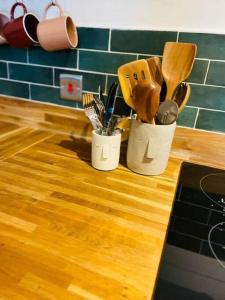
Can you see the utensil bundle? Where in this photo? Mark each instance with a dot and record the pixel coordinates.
(156, 90)
(100, 113)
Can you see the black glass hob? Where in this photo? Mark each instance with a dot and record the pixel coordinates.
(193, 262)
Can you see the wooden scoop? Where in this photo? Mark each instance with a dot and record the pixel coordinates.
(182, 95)
(129, 75)
(177, 63)
(146, 97)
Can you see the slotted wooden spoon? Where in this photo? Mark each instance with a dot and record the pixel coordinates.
(129, 75)
(177, 63)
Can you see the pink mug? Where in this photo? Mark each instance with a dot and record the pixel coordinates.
(58, 33)
(21, 32)
(4, 19)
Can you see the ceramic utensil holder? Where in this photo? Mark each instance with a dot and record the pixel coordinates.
(105, 151)
(149, 147)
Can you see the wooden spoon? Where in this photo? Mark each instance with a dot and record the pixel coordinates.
(182, 95)
(129, 74)
(155, 68)
(146, 100)
(177, 63)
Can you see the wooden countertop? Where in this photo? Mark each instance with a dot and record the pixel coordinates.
(68, 231)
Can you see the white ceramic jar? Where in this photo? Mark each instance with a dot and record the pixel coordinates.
(105, 151)
(149, 147)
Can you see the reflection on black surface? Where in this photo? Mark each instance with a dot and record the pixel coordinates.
(193, 265)
(169, 291)
(213, 187)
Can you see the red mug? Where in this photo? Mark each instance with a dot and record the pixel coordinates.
(21, 32)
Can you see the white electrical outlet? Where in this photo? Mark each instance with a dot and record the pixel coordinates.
(71, 87)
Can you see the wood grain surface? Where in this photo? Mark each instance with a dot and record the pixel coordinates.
(68, 231)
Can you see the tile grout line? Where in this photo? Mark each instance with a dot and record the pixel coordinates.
(99, 73)
(28, 58)
(78, 59)
(7, 70)
(178, 35)
(205, 108)
(58, 87)
(196, 118)
(149, 54)
(106, 83)
(53, 76)
(28, 82)
(202, 130)
(210, 85)
(29, 90)
(109, 42)
(124, 53)
(207, 71)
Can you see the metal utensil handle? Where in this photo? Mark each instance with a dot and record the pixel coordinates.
(97, 125)
(110, 104)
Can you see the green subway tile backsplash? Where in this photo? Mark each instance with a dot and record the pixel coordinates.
(49, 94)
(207, 97)
(141, 41)
(103, 61)
(187, 117)
(3, 69)
(93, 38)
(31, 73)
(13, 54)
(211, 120)
(210, 46)
(216, 74)
(199, 71)
(99, 54)
(16, 89)
(65, 58)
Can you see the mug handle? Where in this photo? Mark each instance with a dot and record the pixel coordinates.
(61, 12)
(12, 11)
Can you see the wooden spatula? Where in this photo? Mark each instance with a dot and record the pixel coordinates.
(177, 63)
(129, 75)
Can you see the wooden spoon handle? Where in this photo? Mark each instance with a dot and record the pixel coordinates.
(171, 87)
